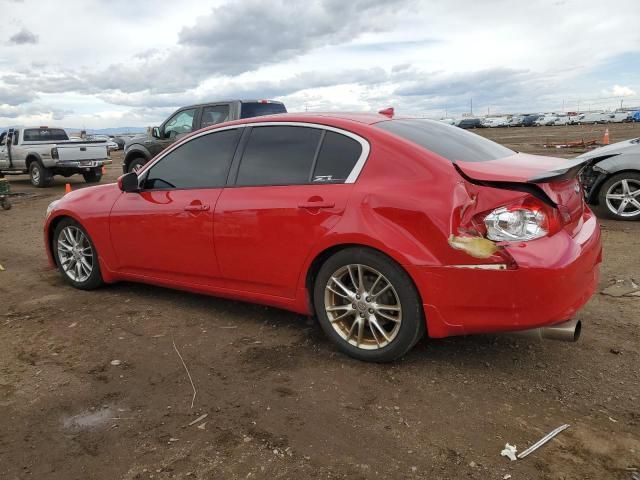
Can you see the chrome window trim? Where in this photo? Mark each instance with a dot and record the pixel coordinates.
(351, 178)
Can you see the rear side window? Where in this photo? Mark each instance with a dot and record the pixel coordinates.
(45, 135)
(258, 109)
(338, 155)
(215, 114)
(278, 155)
(445, 140)
(200, 163)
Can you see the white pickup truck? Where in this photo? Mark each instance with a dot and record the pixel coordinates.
(43, 152)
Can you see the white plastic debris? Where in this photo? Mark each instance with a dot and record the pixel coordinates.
(115, 363)
(509, 451)
(543, 440)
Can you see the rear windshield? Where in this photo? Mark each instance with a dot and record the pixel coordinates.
(257, 109)
(450, 142)
(45, 135)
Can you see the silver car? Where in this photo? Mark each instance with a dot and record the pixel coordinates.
(612, 179)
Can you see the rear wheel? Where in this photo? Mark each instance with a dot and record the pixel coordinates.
(620, 196)
(93, 176)
(39, 175)
(367, 304)
(76, 255)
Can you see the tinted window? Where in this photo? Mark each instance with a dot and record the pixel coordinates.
(278, 156)
(180, 123)
(447, 141)
(200, 163)
(3, 136)
(45, 135)
(215, 114)
(338, 155)
(257, 109)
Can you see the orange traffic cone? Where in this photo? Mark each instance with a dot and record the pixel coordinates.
(104, 170)
(605, 139)
(67, 188)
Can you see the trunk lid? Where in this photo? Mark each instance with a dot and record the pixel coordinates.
(553, 178)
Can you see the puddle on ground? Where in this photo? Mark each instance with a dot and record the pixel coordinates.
(89, 419)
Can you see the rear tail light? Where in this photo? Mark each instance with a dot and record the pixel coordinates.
(525, 220)
(54, 153)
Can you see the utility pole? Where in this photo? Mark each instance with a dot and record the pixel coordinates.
(621, 104)
(563, 105)
(471, 105)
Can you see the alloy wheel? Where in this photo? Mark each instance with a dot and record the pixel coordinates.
(75, 254)
(35, 175)
(363, 306)
(623, 197)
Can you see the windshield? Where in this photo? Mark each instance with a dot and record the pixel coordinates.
(258, 109)
(450, 142)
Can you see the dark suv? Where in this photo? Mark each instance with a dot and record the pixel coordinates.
(142, 148)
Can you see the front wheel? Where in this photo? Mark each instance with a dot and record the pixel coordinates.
(136, 165)
(367, 305)
(620, 195)
(76, 255)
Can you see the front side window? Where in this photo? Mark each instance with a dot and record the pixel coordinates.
(3, 137)
(202, 162)
(449, 142)
(215, 114)
(180, 123)
(278, 155)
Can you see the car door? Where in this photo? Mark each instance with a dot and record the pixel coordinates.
(289, 190)
(166, 230)
(177, 126)
(4, 155)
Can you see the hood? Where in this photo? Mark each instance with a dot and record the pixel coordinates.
(627, 146)
(136, 139)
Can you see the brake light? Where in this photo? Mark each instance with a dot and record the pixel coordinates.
(527, 219)
(54, 153)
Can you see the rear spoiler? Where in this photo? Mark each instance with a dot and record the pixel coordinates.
(570, 170)
(530, 188)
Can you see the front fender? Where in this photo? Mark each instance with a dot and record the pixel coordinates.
(618, 163)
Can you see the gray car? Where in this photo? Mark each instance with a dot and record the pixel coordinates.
(612, 179)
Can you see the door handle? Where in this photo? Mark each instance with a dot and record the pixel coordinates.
(196, 208)
(316, 205)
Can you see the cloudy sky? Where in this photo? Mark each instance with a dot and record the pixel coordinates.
(99, 63)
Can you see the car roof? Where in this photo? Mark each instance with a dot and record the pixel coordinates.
(215, 102)
(367, 118)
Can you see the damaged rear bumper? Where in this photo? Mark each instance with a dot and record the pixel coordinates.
(554, 277)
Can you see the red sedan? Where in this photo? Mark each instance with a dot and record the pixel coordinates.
(384, 228)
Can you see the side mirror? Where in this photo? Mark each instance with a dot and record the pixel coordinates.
(128, 182)
(155, 132)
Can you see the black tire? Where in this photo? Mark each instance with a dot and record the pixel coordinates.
(93, 176)
(136, 164)
(94, 280)
(631, 177)
(39, 175)
(5, 203)
(412, 326)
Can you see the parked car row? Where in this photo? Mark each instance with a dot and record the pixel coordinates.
(550, 119)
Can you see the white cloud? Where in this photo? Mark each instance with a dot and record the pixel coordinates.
(128, 63)
(620, 91)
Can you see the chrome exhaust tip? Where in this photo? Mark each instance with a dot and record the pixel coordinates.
(568, 331)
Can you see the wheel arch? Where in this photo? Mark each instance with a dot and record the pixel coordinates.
(134, 153)
(323, 255)
(32, 157)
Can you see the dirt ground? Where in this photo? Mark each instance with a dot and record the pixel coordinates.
(91, 386)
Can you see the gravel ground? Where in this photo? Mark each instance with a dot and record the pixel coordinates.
(91, 386)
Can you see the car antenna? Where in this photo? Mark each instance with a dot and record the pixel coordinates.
(387, 112)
